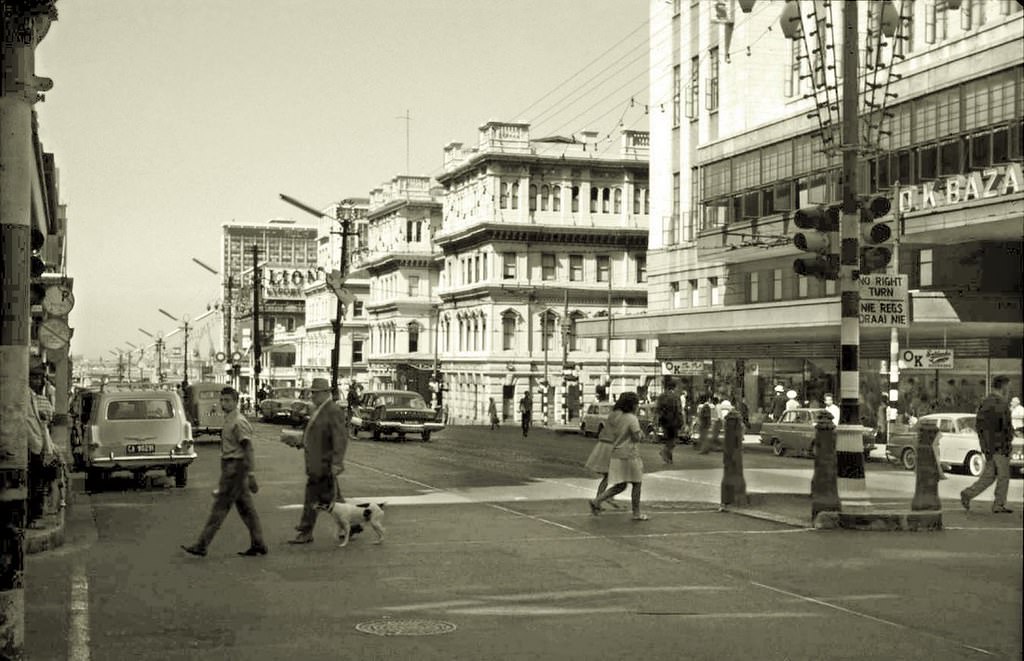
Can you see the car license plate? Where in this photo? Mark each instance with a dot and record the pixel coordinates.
(140, 448)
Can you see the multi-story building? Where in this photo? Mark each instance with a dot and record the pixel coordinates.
(316, 339)
(286, 252)
(401, 260)
(538, 235)
(741, 148)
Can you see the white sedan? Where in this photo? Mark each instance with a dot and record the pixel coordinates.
(594, 418)
(958, 443)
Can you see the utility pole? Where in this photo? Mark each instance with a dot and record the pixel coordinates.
(339, 311)
(184, 380)
(849, 444)
(608, 365)
(228, 350)
(159, 359)
(257, 350)
(894, 338)
(565, 359)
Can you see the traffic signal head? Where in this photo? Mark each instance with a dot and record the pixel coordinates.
(37, 265)
(820, 237)
(876, 236)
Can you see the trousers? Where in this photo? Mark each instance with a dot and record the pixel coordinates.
(233, 489)
(997, 469)
(320, 490)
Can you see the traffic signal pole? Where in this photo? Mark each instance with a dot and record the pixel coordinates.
(849, 442)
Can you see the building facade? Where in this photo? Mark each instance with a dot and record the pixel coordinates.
(536, 236)
(940, 121)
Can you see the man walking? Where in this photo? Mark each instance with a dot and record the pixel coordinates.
(669, 409)
(324, 443)
(526, 411)
(237, 480)
(995, 436)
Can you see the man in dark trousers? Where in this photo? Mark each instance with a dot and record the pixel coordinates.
(526, 411)
(237, 480)
(995, 435)
(324, 443)
(778, 404)
(669, 409)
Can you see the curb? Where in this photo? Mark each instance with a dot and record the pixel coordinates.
(767, 516)
(892, 521)
(37, 541)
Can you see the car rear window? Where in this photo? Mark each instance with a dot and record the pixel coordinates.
(209, 394)
(404, 400)
(140, 409)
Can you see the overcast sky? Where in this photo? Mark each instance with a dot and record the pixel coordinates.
(168, 118)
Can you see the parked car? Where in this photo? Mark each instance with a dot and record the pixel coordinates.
(395, 413)
(204, 409)
(278, 406)
(79, 411)
(794, 433)
(300, 412)
(959, 447)
(592, 421)
(137, 431)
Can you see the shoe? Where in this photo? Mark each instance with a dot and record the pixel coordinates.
(1001, 509)
(965, 501)
(301, 539)
(595, 509)
(254, 550)
(641, 517)
(195, 549)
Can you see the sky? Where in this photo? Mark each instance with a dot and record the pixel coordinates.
(169, 118)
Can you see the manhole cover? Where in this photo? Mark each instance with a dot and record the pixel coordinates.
(389, 627)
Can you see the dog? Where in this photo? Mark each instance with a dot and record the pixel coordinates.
(350, 519)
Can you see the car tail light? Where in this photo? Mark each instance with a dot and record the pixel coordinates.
(93, 436)
(187, 431)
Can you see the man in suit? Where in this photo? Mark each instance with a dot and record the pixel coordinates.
(995, 435)
(324, 443)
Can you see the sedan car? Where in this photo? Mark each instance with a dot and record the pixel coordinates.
(959, 447)
(278, 406)
(136, 431)
(795, 433)
(395, 413)
(592, 421)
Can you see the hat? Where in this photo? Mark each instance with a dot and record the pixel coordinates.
(779, 388)
(320, 384)
(791, 394)
(725, 404)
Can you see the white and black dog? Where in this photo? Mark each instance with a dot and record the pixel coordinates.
(351, 518)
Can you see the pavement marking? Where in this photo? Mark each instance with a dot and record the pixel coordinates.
(982, 528)
(534, 517)
(587, 536)
(561, 594)
(850, 611)
(78, 634)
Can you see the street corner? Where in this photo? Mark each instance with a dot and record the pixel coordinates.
(49, 535)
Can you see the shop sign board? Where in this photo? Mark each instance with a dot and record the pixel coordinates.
(883, 301)
(926, 359)
(996, 181)
(682, 367)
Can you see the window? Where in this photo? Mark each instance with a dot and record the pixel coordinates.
(601, 344)
(777, 284)
(694, 293)
(483, 266)
(641, 268)
(556, 198)
(544, 193)
(574, 341)
(533, 197)
(830, 288)
(547, 266)
(594, 193)
(414, 337)
(801, 287)
(618, 200)
(752, 289)
(925, 258)
(547, 330)
(641, 345)
(508, 331)
(694, 91)
(509, 266)
(676, 95)
(357, 351)
(357, 308)
(414, 285)
(792, 85)
(503, 203)
(576, 268)
(515, 196)
(604, 268)
(712, 91)
(716, 292)
(677, 300)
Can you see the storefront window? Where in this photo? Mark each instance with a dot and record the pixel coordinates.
(819, 379)
(790, 373)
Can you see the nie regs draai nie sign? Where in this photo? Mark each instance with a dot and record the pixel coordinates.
(883, 301)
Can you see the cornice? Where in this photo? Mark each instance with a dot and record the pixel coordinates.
(490, 232)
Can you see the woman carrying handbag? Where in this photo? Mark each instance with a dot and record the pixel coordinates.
(625, 465)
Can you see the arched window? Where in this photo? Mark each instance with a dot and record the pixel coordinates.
(483, 334)
(556, 198)
(606, 200)
(593, 199)
(414, 337)
(575, 199)
(533, 197)
(515, 196)
(647, 202)
(547, 320)
(508, 331)
(636, 200)
(544, 192)
(618, 200)
(503, 201)
(574, 344)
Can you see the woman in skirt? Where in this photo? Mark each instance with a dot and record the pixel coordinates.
(625, 465)
(598, 462)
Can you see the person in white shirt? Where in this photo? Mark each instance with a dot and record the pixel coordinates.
(831, 407)
(791, 402)
(1016, 416)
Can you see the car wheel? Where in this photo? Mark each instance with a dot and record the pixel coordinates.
(181, 477)
(777, 449)
(975, 464)
(909, 459)
(425, 436)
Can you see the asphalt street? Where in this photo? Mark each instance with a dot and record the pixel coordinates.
(491, 553)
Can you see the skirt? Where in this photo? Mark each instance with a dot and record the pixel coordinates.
(599, 457)
(625, 470)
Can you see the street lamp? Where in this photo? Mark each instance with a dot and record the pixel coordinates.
(159, 353)
(336, 281)
(184, 321)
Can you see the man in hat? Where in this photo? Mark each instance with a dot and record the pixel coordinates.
(778, 403)
(324, 443)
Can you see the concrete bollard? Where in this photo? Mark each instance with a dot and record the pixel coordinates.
(926, 489)
(824, 484)
(734, 486)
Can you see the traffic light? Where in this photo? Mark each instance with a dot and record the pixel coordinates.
(821, 238)
(38, 267)
(876, 236)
